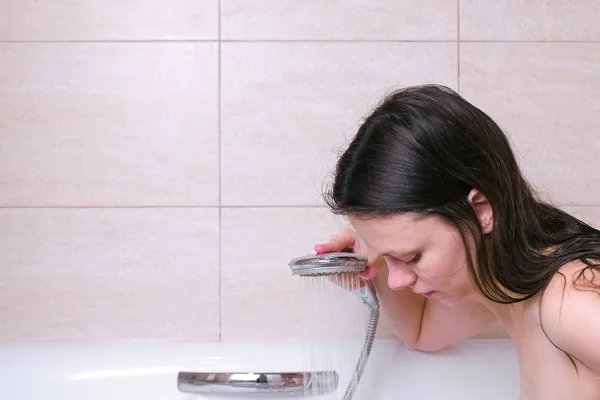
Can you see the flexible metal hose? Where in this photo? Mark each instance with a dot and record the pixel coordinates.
(364, 355)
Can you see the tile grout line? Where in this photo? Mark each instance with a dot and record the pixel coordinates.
(220, 207)
(175, 41)
(220, 286)
(458, 44)
(173, 207)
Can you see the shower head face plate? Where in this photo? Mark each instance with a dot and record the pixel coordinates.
(328, 264)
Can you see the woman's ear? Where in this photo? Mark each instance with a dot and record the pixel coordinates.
(483, 209)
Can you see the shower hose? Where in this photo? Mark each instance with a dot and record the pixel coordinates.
(364, 354)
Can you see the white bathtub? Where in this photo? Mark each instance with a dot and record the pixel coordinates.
(474, 370)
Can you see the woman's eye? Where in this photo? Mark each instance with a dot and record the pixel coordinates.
(414, 260)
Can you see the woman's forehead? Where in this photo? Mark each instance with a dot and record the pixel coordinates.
(392, 232)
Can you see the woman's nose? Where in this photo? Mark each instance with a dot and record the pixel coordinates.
(399, 278)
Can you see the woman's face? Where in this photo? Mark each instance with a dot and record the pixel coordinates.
(423, 253)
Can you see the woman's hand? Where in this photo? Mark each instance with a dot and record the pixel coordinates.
(346, 239)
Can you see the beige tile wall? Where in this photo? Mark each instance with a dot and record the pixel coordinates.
(161, 163)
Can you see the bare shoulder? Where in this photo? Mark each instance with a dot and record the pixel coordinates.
(570, 312)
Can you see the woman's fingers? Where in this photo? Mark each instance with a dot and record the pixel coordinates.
(344, 239)
(368, 273)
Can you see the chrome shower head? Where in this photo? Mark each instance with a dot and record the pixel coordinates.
(328, 264)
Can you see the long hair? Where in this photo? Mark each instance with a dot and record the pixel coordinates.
(422, 150)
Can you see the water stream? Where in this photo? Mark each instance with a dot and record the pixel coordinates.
(334, 326)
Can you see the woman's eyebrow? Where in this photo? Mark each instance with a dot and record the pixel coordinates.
(401, 252)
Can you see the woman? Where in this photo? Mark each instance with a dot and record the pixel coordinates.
(457, 239)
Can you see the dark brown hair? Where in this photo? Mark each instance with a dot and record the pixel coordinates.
(423, 149)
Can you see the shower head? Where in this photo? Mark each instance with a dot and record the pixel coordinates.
(328, 264)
